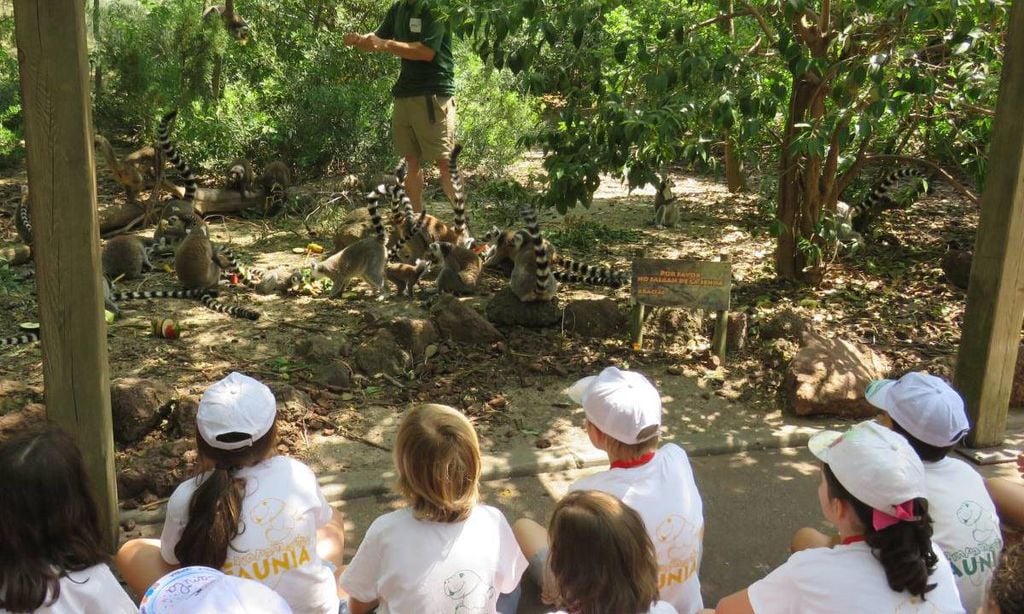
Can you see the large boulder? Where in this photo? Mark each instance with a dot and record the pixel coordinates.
(596, 319)
(505, 309)
(413, 334)
(456, 320)
(382, 354)
(356, 225)
(137, 405)
(829, 376)
(786, 324)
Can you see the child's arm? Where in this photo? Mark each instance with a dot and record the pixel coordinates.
(361, 607)
(330, 541)
(736, 603)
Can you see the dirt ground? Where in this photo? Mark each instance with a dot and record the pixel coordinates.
(892, 298)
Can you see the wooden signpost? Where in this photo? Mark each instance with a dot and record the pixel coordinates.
(694, 284)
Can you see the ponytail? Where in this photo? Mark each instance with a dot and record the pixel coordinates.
(904, 549)
(215, 510)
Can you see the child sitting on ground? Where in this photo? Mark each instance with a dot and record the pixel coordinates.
(445, 552)
(872, 490)
(202, 590)
(602, 561)
(1008, 497)
(1006, 593)
(249, 513)
(52, 557)
(623, 418)
(930, 415)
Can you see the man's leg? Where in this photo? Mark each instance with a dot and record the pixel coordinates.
(414, 182)
(446, 179)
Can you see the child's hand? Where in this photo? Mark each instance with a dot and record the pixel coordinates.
(1020, 464)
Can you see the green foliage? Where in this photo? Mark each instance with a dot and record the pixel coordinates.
(581, 233)
(295, 92)
(11, 127)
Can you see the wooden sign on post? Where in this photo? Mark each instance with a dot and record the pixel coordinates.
(695, 284)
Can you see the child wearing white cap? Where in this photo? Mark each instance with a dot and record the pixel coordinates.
(446, 552)
(872, 490)
(249, 513)
(930, 415)
(623, 415)
(203, 590)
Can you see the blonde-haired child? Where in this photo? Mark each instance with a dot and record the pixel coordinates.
(602, 560)
(446, 551)
(250, 513)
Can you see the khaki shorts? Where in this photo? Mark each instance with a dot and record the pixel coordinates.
(414, 134)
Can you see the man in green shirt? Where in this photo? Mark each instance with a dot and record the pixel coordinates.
(423, 120)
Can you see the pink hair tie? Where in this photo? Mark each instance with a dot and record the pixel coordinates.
(904, 511)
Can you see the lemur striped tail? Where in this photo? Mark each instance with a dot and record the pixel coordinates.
(540, 252)
(401, 171)
(22, 217)
(250, 276)
(879, 198)
(414, 229)
(373, 206)
(583, 270)
(236, 312)
(591, 279)
(163, 138)
(459, 194)
(19, 339)
(117, 297)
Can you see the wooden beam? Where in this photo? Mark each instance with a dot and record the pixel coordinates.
(58, 136)
(995, 297)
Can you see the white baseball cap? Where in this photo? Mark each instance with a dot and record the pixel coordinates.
(924, 405)
(235, 404)
(873, 463)
(620, 403)
(202, 590)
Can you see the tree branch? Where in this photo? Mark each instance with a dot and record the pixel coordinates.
(760, 19)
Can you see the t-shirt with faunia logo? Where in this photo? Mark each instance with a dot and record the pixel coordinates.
(282, 509)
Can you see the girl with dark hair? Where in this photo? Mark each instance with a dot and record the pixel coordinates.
(51, 553)
(873, 490)
(602, 560)
(249, 513)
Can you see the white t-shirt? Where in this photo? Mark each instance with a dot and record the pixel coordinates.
(844, 579)
(91, 591)
(966, 526)
(416, 566)
(665, 495)
(658, 607)
(281, 512)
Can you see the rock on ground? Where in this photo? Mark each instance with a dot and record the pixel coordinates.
(829, 376)
(136, 406)
(595, 319)
(458, 321)
(382, 354)
(505, 309)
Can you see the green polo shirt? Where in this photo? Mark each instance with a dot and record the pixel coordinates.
(411, 21)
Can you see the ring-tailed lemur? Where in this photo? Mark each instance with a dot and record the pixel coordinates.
(366, 258)
(666, 204)
(860, 217)
(196, 261)
(531, 274)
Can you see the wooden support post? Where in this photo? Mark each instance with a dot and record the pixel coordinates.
(637, 317)
(718, 339)
(995, 297)
(59, 138)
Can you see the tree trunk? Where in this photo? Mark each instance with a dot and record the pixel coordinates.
(218, 71)
(97, 86)
(734, 177)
